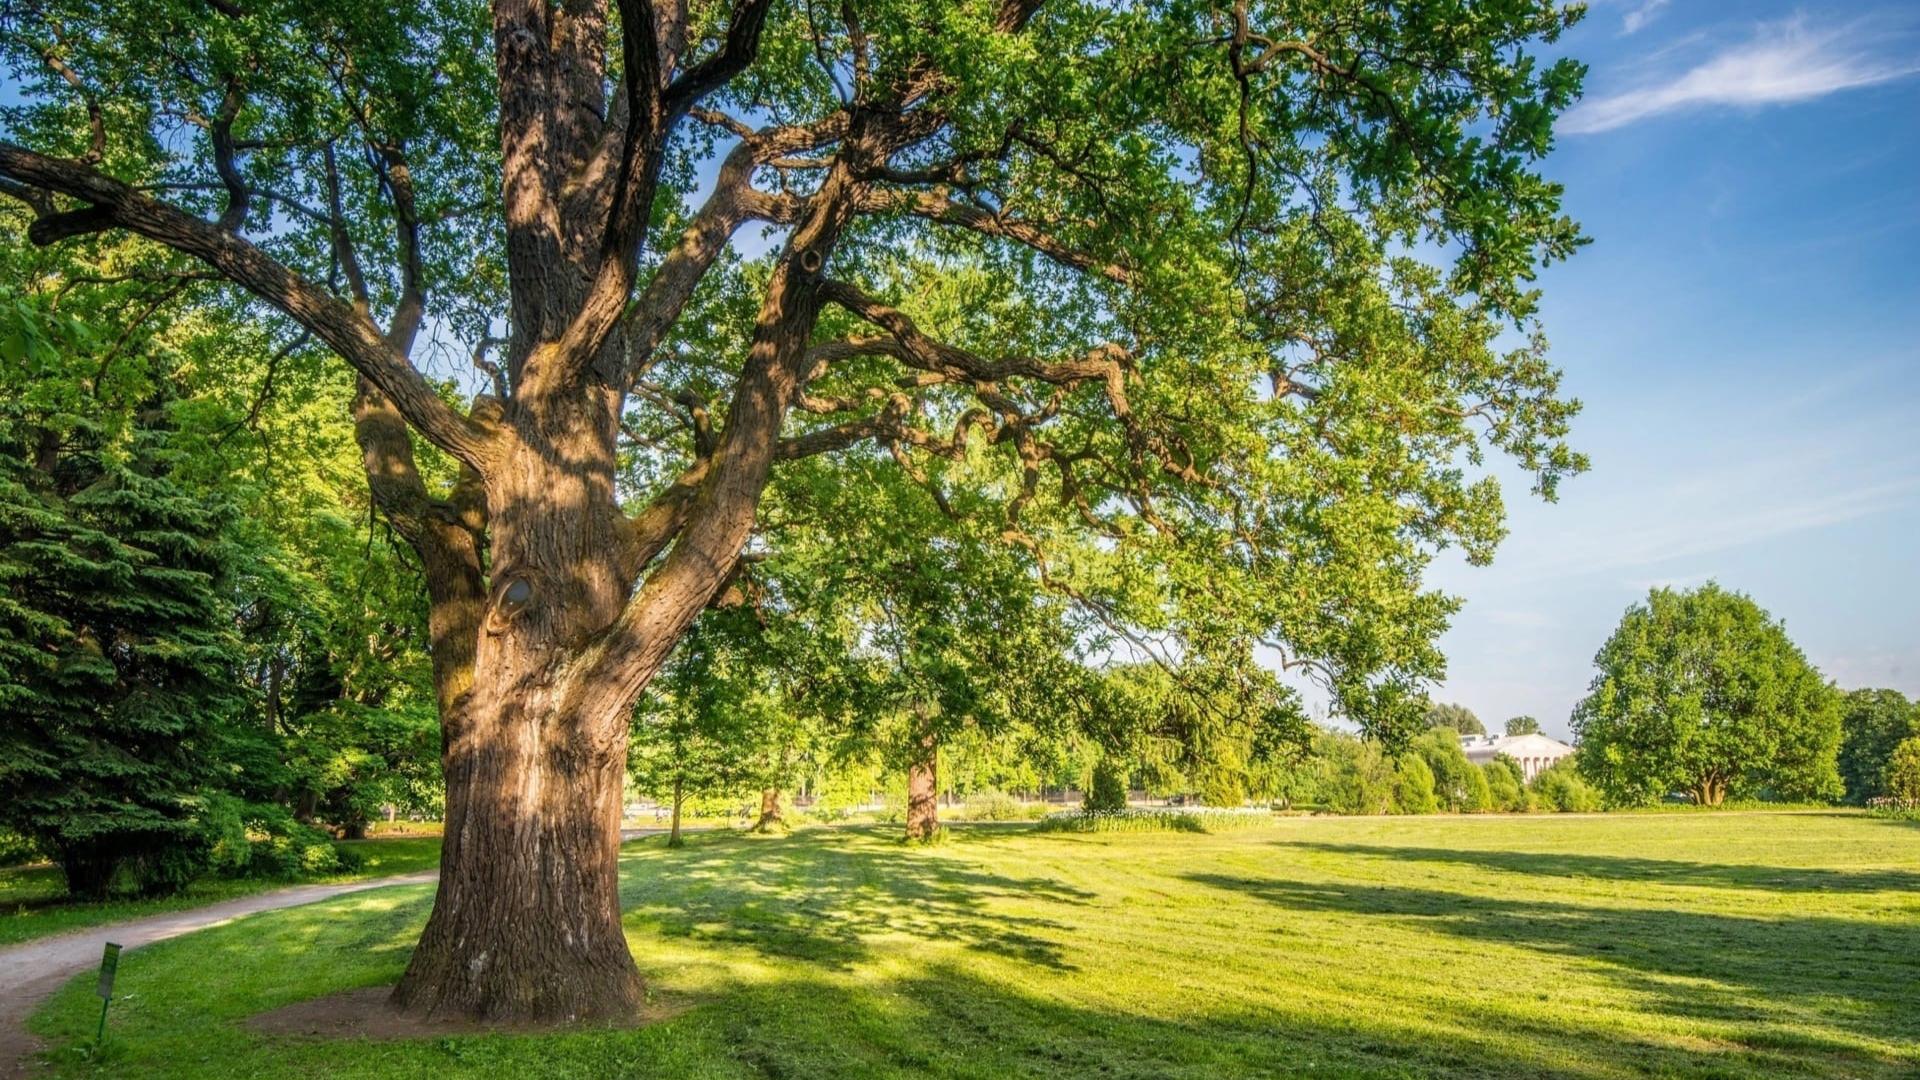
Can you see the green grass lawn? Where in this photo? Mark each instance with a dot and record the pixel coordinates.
(33, 900)
(1734, 945)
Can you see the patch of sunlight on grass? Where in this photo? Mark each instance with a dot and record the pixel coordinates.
(1591, 948)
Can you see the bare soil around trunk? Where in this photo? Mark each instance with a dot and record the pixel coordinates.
(368, 1013)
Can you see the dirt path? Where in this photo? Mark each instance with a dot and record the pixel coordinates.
(32, 970)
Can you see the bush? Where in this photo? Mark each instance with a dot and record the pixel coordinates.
(1109, 788)
(1413, 786)
(1457, 784)
(1562, 790)
(16, 849)
(261, 840)
(1358, 778)
(1902, 776)
(1479, 798)
(992, 806)
(1505, 793)
(1153, 820)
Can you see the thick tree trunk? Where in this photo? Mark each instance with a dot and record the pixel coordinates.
(771, 818)
(923, 791)
(526, 924)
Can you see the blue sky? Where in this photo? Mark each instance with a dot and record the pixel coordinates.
(1745, 333)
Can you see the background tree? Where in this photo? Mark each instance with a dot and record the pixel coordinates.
(108, 350)
(1701, 692)
(1902, 776)
(1457, 718)
(1358, 777)
(1523, 725)
(1210, 727)
(1458, 784)
(939, 627)
(1561, 789)
(1506, 784)
(121, 661)
(1872, 723)
(1210, 340)
(704, 733)
(1413, 786)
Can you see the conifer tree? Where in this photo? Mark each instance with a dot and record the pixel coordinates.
(118, 654)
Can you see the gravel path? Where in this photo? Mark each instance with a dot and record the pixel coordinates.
(32, 970)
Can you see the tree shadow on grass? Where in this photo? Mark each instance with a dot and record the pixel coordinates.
(949, 1022)
(1651, 871)
(827, 896)
(1854, 975)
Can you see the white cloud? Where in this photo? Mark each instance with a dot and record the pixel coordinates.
(1640, 16)
(1783, 63)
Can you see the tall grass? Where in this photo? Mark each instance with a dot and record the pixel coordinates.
(1202, 820)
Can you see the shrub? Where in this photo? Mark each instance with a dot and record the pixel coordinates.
(261, 840)
(1562, 790)
(1148, 819)
(16, 849)
(992, 805)
(1358, 777)
(1413, 786)
(1109, 788)
(1479, 798)
(1457, 784)
(1902, 776)
(1504, 790)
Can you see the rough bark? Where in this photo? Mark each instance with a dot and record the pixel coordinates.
(526, 924)
(923, 791)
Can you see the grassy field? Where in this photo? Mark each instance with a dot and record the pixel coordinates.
(33, 900)
(1732, 945)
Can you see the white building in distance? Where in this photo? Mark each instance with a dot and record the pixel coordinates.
(1536, 753)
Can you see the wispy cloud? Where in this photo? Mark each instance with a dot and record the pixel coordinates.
(1673, 535)
(1641, 15)
(1782, 63)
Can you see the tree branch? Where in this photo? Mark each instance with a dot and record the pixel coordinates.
(115, 204)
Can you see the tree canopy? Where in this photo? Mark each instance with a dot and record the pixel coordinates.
(1874, 722)
(1701, 692)
(1457, 718)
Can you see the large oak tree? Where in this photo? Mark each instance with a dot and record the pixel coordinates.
(1248, 293)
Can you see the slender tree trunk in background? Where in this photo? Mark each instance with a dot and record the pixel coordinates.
(771, 819)
(923, 790)
(673, 831)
